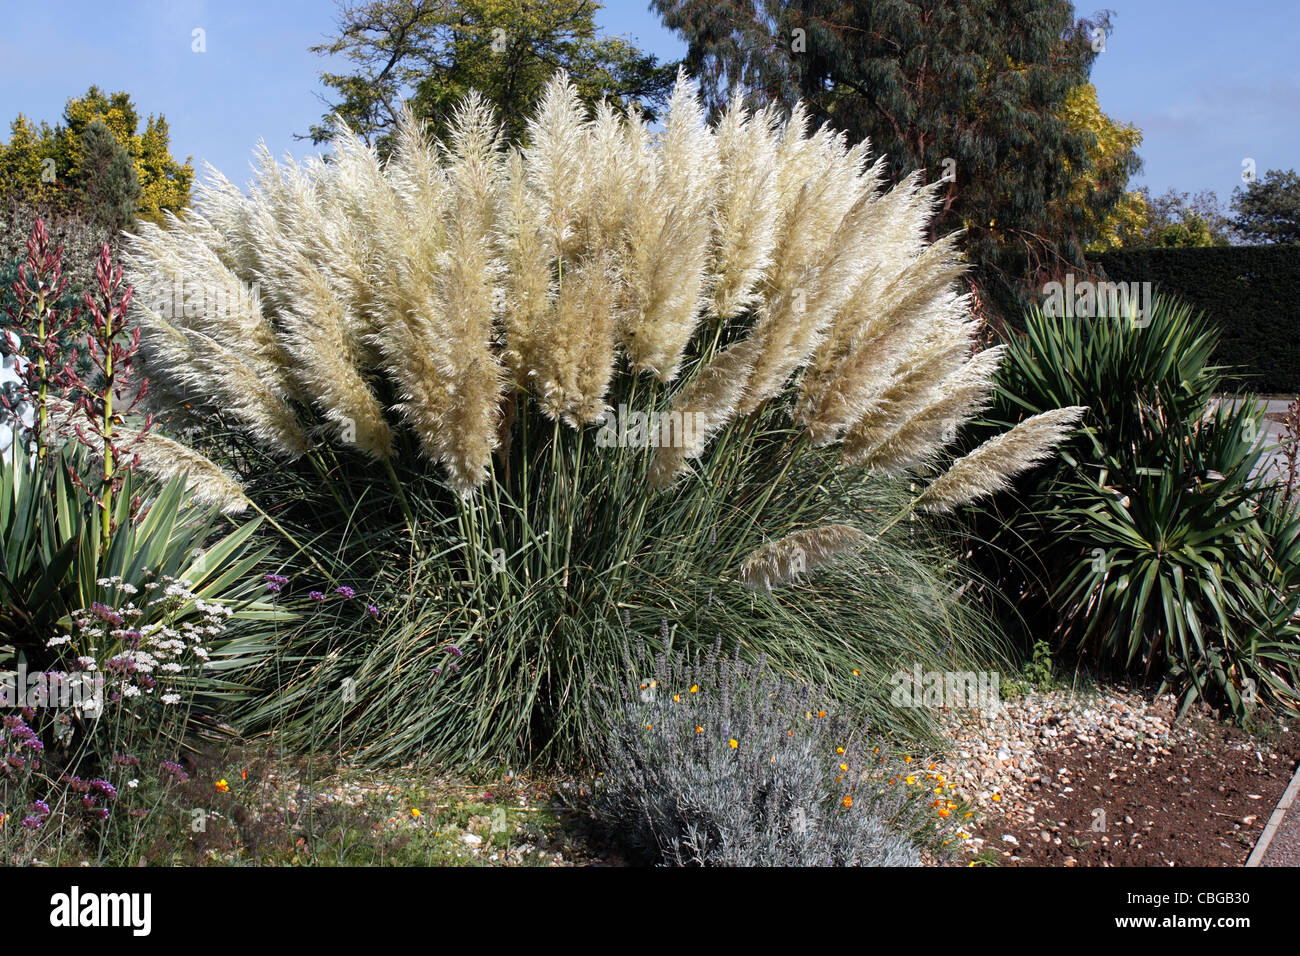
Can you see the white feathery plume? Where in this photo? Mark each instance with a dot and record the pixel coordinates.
(919, 440)
(452, 270)
(206, 483)
(529, 289)
(712, 398)
(465, 293)
(745, 215)
(163, 458)
(667, 239)
(575, 359)
(990, 467)
(554, 158)
(787, 559)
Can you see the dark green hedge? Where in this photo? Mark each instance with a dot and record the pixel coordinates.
(1251, 292)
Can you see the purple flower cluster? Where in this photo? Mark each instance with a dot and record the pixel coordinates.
(17, 732)
(452, 666)
(121, 664)
(105, 788)
(106, 614)
(75, 784)
(275, 583)
(176, 770)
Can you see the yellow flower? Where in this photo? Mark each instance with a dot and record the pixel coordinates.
(649, 726)
(997, 798)
(821, 713)
(968, 814)
(733, 743)
(844, 766)
(839, 750)
(699, 729)
(222, 786)
(943, 813)
(856, 672)
(695, 688)
(907, 760)
(910, 779)
(677, 698)
(848, 801)
(415, 812)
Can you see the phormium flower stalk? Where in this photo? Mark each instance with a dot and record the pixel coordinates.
(112, 352)
(40, 324)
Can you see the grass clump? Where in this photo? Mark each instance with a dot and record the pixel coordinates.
(541, 399)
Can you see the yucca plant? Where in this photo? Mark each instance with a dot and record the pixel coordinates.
(1156, 542)
(54, 560)
(606, 382)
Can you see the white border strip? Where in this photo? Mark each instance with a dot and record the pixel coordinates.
(1288, 798)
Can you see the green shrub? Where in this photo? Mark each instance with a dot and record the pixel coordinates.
(722, 763)
(77, 234)
(1153, 544)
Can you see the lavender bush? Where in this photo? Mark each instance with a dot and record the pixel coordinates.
(722, 763)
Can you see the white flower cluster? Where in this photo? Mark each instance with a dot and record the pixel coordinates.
(116, 582)
(145, 649)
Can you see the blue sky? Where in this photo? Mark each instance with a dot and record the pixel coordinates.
(1209, 83)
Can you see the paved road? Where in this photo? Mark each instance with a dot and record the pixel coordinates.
(1272, 462)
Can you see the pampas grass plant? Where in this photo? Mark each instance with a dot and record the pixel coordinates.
(414, 374)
